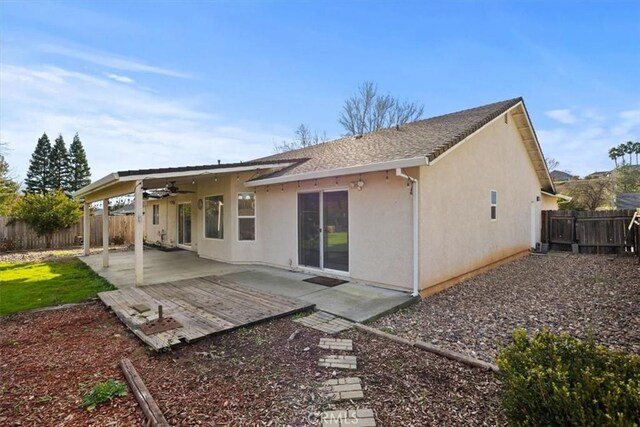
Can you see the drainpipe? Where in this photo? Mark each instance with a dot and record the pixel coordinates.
(416, 230)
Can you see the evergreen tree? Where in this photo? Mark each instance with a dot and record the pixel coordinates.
(79, 172)
(38, 176)
(59, 166)
(8, 186)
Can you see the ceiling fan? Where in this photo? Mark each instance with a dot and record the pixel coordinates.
(154, 194)
(173, 189)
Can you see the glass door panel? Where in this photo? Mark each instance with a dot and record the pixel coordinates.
(309, 229)
(184, 224)
(336, 230)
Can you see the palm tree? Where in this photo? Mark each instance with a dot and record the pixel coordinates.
(629, 148)
(613, 155)
(636, 150)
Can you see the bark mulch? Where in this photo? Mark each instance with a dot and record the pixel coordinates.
(252, 376)
(579, 294)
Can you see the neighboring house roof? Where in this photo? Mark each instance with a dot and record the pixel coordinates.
(423, 140)
(558, 176)
(598, 174)
(628, 201)
(128, 209)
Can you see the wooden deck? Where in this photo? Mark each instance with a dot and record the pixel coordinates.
(204, 306)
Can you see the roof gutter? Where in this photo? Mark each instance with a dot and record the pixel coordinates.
(415, 193)
(351, 170)
(218, 171)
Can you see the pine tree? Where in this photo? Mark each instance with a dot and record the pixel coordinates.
(38, 176)
(59, 166)
(79, 172)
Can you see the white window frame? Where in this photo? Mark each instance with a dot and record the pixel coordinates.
(239, 217)
(155, 214)
(204, 216)
(494, 205)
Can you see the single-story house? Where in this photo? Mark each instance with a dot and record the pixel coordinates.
(562, 176)
(414, 207)
(598, 175)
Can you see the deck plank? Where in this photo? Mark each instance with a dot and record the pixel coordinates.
(203, 306)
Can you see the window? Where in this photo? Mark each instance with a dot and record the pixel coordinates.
(213, 217)
(246, 216)
(494, 204)
(156, 214)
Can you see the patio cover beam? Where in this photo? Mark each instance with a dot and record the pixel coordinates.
(86, 232)
(138, 225)
(105, 233)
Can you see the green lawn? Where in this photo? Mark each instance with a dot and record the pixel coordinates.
(24, 286)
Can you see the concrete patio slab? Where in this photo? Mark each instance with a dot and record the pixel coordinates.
(358, 302)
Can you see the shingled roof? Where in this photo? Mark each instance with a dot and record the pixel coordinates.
(427, 139)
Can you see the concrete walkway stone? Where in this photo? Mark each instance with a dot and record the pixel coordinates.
(348, 418)
(336, 344)
(343, 389)
(325, 322)
(341, 362)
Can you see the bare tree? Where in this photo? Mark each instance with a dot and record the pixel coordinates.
(303, 137)
(367, 111)
(589, 194)
(552, 164)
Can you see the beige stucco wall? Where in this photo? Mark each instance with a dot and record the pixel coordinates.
(379, 225)
(168, 217)
(456, 231)
(549, 203)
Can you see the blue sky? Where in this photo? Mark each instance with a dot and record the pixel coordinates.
(166, 83)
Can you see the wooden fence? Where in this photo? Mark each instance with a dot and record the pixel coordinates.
(592, 232)
(18, 236)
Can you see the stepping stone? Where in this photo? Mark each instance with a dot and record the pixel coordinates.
(341, 362)
(336, 344)
(343, 389)
(325, 322)
(348, 418)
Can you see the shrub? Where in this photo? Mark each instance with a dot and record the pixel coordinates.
(103, 392)
(117, 240)
(559, 380)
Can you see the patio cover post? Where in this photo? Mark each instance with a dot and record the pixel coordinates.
(138, 232)
(105, 233)
(86, 232)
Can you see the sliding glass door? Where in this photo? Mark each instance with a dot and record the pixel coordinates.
(184, 224)
(323, 230)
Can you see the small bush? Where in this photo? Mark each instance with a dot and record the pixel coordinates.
(117, 240)
(559, 380)
(103, 392)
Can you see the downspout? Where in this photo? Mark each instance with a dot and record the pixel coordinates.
(415, 193)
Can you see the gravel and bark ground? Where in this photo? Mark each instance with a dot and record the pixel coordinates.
(579, 294)
(252, 376)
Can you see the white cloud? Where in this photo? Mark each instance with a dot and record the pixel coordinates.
(564, 116)
(582, 146)
(108, 60)
(119, 78)
(121, 126)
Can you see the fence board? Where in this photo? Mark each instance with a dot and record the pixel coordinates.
(21, 237)
(592, 231)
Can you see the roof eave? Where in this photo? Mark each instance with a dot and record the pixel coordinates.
(350, 170)
(103, 182)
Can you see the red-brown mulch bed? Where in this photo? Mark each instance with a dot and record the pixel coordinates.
(253, 376)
